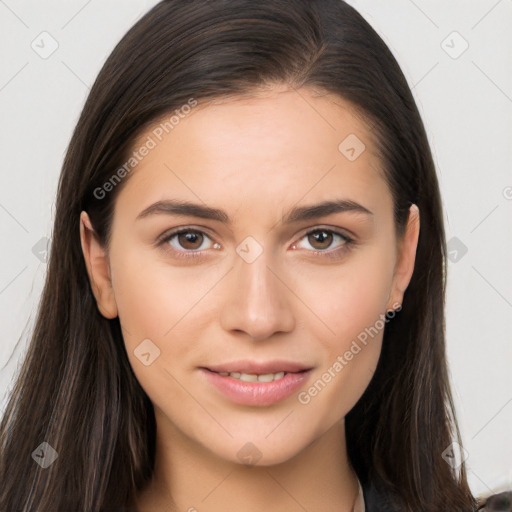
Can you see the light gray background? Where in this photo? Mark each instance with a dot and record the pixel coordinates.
(466, 102)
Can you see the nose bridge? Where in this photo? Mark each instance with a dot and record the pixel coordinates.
(257, 301)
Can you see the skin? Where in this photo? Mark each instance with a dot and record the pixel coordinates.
(255, 158)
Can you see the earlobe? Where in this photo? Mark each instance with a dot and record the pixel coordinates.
(406, 257)
(98, 270)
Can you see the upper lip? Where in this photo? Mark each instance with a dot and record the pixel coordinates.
(255, 367)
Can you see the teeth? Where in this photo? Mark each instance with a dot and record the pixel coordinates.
(248, 377)
(252, 377)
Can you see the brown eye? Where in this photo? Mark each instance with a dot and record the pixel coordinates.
(190, 239)
(186, 242)
(326, 243)
(320, 239)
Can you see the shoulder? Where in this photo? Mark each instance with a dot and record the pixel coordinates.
(377, 501)
(501, 502)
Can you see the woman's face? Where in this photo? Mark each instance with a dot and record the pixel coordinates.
(264, 279)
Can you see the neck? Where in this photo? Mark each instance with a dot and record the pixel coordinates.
(191, 478)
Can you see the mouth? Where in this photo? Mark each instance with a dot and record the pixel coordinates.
(256, 384)
(255, 377)
(248, 367)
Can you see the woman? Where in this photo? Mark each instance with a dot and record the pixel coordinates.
(293, 356)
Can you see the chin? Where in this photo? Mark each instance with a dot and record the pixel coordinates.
(259, 451)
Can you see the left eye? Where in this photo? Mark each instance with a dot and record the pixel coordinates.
(324, 239)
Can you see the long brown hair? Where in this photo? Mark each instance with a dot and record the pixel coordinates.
(76, 390)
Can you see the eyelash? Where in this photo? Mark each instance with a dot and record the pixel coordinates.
(188, 254)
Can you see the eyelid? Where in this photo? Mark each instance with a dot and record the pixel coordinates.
(182, 229)
(345, 233)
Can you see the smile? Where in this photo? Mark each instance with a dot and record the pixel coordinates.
(255, 389)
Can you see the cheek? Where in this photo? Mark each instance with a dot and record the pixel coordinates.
(139, 300)
(167, 305)
(153, 297)
(348, 298)
(351, 305)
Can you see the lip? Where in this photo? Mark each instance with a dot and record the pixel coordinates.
(246, 366)
(256, 393)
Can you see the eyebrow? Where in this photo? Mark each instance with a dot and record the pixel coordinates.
(297, 214)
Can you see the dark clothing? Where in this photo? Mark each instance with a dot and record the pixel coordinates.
(376, 501)
(501, 502)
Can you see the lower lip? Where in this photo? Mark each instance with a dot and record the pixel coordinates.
(256, 393)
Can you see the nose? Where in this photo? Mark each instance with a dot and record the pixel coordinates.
(258, 302)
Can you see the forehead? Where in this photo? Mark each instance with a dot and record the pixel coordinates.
(270, 146)
(278, 120)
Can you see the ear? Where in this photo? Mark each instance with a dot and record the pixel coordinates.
(96, 261)
(404, 266)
